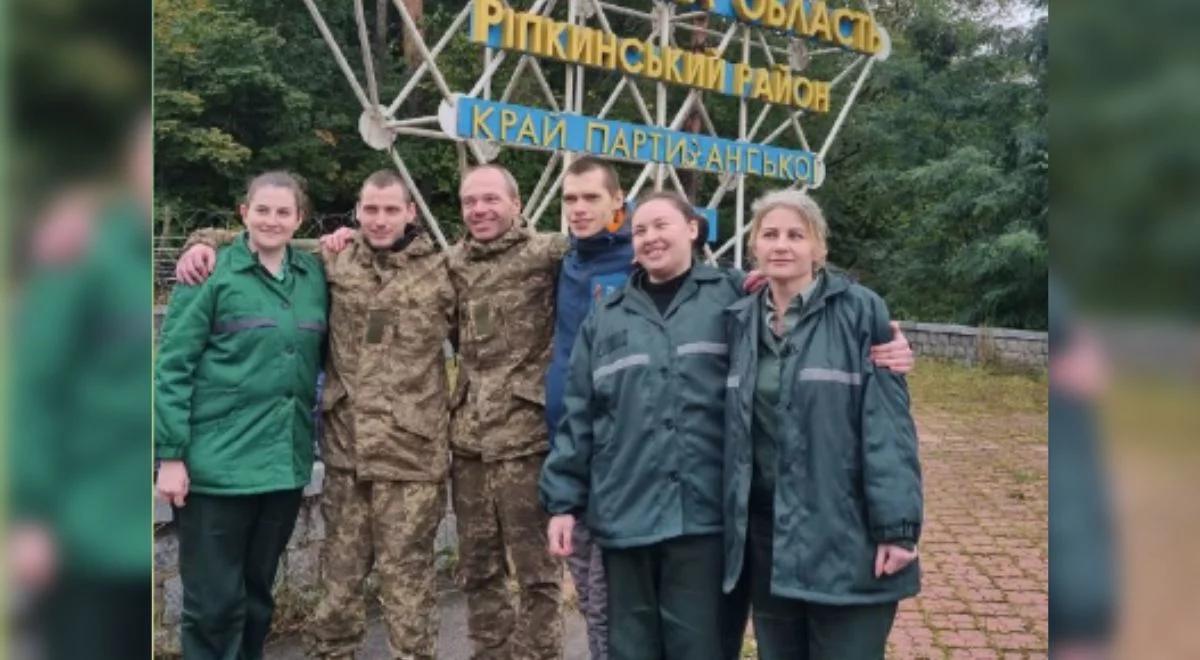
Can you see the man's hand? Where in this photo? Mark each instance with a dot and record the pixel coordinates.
(895, 355)
(173, 482)
(64, 229)
(891, 559)
(754, 281)
(1082, 369)
(195, 265)
(338, 240)
(559, 535)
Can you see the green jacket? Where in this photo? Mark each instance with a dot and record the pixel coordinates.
(81, 400)
(847, 474)
(237, 370)
(639, 447)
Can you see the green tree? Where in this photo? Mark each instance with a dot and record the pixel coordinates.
(937, 196)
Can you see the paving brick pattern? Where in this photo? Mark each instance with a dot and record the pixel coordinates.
(984, 547)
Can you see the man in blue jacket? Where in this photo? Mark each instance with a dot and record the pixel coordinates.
(599, 262)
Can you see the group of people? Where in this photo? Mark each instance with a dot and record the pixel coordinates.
(696, 448)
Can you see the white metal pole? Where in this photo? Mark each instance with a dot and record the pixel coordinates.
(419, 199)
(743, 110)
(364, 43)
(337, 54)
(662, 12)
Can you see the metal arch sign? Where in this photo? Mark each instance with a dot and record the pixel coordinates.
(776, 77)
(472, 118)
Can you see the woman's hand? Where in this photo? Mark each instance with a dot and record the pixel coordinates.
(891, 559)
(173, 482)
(559, 534)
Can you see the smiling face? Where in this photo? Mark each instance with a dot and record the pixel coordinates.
(384, 213)
(785, 246)
(271, 217)
(663, 239)
(589, 203)
(489, 205)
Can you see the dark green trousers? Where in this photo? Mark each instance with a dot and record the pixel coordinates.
(791, 629)
(106, 617)
(229, 549)
(665, 600)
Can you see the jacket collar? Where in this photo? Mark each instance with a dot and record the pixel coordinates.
(243, 258)
(414, 243)
(833, 283)
(603, 242)
(476, 250)
(700, 275)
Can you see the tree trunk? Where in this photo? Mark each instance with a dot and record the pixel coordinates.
(412, 55)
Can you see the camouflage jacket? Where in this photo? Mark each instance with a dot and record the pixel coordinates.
(506, 310)
(385, 403)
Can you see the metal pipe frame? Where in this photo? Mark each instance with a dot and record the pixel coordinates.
(663, 19)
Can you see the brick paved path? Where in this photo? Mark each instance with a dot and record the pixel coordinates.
(983, 550)
(984, 547)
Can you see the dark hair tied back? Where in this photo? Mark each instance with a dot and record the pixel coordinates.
(685, 209)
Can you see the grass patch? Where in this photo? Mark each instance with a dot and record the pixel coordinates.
(957, 389)
(1152, 413)
(1024, 476)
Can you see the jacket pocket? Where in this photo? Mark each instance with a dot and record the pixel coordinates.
(214, 406)
(614, 373)
(422, 425)
(530, 393)
(526, 416)
(601, 495)
(487, 336)
(610, 343)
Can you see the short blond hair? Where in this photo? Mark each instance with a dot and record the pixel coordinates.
(510, 181)
(803, 206)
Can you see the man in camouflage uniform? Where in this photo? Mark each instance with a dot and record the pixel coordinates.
(386, 418)
(504, 275)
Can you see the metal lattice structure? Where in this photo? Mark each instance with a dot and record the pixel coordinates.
(383, 121)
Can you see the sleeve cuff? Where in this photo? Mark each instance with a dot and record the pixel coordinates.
(897, 534)
(168, 453)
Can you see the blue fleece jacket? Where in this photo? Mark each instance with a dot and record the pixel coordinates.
(595, 267)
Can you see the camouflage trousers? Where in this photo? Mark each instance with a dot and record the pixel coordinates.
(391, 527)
(586, 565)
(502, 531)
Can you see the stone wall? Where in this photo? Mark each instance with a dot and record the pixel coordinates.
(961, 343)
(973, 346)
(295, 586)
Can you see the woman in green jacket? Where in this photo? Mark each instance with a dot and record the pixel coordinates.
(639, 449)
(235, 388)
(823, 501)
